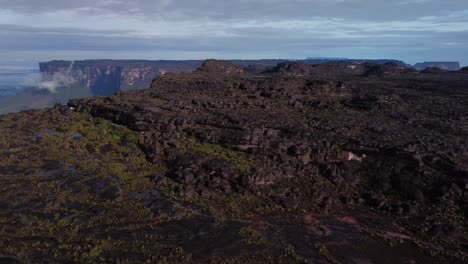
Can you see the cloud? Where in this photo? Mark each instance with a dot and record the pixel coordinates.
(58, 79)
(413, 2)
(241, 9)
(226, 28)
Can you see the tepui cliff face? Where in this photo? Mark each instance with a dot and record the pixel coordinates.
(103, 77)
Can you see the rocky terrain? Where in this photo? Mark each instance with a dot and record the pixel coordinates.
(295, 163)
(448, 66)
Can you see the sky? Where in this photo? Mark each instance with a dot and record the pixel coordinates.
(410, 30)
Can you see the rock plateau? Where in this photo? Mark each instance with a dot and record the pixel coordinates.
(293, 163)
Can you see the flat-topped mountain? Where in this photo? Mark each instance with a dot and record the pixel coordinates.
(294, 163)
(103, 77)
(319, 60)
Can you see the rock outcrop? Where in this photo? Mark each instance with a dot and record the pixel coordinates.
(448, 65)
(433, 70)
(388, 68)
(220, 67)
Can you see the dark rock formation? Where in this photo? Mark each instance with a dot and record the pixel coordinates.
(388, 68)
(433, 70)
(220, 67)
(290, 164)
(449, 66)
(312, 60)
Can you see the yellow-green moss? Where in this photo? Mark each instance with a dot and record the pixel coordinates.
(240, 159)
(236, 205)
(252, 236)
(74, 147)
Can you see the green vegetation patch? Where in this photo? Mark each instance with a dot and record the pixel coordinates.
(252, 236)
(240, 159)
(71, 177)
(236, 205)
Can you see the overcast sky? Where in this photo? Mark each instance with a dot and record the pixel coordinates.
(411, 30)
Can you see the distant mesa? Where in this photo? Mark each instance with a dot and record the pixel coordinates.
(327, 58)
(104, 77)
(444, 65)
(319, 60)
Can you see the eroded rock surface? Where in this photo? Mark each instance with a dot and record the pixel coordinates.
(331, 163)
